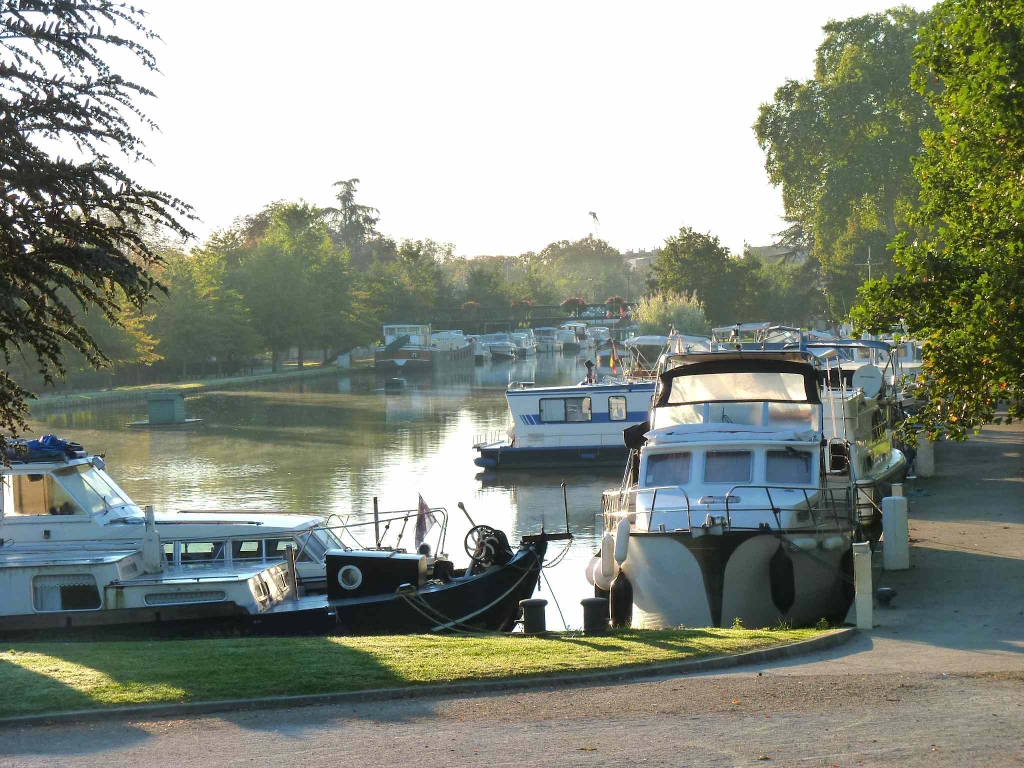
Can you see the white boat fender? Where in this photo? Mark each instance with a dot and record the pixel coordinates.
(832, 543)
(592, 566)
(605, 571)
(622, 540)
(806, 543)
(608, 556)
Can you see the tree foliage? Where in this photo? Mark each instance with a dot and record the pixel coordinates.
(841, 146)
(663, 311)
(963, 288)
(71, 226)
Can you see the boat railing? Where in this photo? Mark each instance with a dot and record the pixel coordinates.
(486, 438)
(824, 501)
(382, 524)
(622, 502)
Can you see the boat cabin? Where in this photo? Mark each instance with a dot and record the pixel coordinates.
(419, 335)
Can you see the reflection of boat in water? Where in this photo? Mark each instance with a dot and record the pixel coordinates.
(565, 426)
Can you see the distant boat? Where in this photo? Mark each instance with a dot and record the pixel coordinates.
(414, 348)
(566, 426)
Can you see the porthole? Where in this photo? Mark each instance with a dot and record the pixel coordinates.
(350, 577)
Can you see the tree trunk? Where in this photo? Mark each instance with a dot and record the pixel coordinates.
(275, 362)
(184, 369)
(299, 357)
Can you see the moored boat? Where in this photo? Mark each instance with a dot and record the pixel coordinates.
(735, 505)
(577, 425)
(411, 348)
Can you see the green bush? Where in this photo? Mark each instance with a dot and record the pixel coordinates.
(682, 311)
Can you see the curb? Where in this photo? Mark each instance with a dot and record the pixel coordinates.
(167, 711)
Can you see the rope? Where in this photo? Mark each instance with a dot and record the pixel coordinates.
(555, 598)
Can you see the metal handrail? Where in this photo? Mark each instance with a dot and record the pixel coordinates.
(622, 505)
(812, 507)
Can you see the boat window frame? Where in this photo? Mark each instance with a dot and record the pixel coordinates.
(586, 404)
(625, 407)
(689, 453)
(733, 481)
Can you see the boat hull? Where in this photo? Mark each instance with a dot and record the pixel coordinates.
(507, 457)
(488, 601)
(679, 579)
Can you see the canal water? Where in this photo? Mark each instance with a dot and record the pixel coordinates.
(330, 445)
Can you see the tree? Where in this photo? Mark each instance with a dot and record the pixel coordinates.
(296, 281)
(71, 227)
(698, 264)
(962, 292)
(841, 146)
(354, 225)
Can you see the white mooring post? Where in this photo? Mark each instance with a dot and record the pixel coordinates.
(862, 581)
(896, 552)
(924, 464)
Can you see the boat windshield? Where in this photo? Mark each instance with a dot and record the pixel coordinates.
(92, 489)
(742, 385)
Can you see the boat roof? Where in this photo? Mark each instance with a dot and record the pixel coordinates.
(728, 433)
(583, 389)
(646, 340)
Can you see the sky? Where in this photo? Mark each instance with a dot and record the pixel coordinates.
(496, 127)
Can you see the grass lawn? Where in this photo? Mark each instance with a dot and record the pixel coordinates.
(54, 677)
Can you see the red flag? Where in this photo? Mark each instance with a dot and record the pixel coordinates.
(424, 521)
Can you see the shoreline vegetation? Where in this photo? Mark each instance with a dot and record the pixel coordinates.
(48, 678)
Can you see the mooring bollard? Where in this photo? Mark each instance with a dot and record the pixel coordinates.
(862, 581)
(595, 615)
(896, 552)
(534, 616)
(924, 462)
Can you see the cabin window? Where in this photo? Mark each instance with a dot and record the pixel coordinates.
(42, 495)
(667, 469)
(788, 466)
(246, 550)
(201, 551)
(559, 409)
(617, 408)
(727, 466)
(66, 592)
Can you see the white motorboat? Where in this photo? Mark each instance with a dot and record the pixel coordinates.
(577, 425)
(61, 500)
(501, 346)
(547, 339)
(584, 341)
(567, 338)
(743, 494)
(526, 344)
(481, 352)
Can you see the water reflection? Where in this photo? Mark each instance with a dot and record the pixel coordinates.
(329, 445)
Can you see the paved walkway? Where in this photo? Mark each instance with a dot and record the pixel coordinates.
(939, 681)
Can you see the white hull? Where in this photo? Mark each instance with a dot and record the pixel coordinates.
(671, 588)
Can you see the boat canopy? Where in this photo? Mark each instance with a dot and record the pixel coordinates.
(724, 377)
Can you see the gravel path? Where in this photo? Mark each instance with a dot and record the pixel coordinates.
(939, 681)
